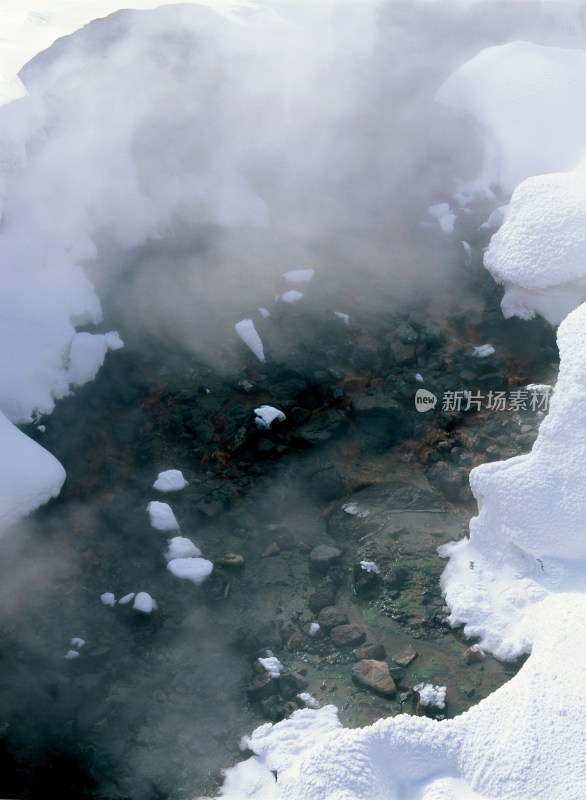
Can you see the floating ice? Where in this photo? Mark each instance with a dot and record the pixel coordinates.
(126, 599)
(171, 480)
(181, 547)
(266, 415)
(299, 275)
(108, 599)
(291, 296)
(162, 517)
(431, 696)
(272, 665)
(419, 377)
(264, 312)
(195, 570)
(77, 642)
(144, 603)
(247, 332)
(344, 317)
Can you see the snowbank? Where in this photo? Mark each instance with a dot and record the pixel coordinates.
(529, 101)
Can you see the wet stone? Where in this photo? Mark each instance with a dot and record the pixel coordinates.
(402, 353)
(290, 685)
(367, 582)
(330, 617)
(370, 651)
(404, 657)
(296, 642)
(347, 635)
(473, 655)
(374, 675)
(324, 595)
(446, 478)
(231, 561)
(322, 557)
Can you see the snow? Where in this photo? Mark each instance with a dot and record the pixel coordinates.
(272, 665)
(108, 599)
(370, 566)
(247, 332)
(483, 351)
(291, 296)
(144, 603)
(529, 102)
(539, 253)
(313, 629)
(71, 654)
(171, 480)
(299, 276)
(344, 317)
(191, 569)
(181, 547)
(126, 599)
(77, 642)
(444, 215)
(431, 696)
(161, 516)
(309, 700)
(266, 415)
(29, 475)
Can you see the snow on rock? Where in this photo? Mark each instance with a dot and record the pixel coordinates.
(309, 700)
(444, 215)
(86, 355)
(181, 547)
(161, 516)
(299, 275)
(266, 415)
(291, 296)
(191, 569)
(540, 251)
(530, 103)
(144, 603)
(171, 480)
(247, 332)
(483, 351)
(272, 665)
(370, 566)
(108, 599)
(528, 538)
(431, 696)
(29, 475)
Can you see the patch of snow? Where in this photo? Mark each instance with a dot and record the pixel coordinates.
(291, 296)
(309, 700)
(247, 332)
(431, 696)
(77, 642)
(444, 215)
(71, 654)
(191, 569)
(344, 317)
(161, 516)
(272, 665)
(266, 415)
(370, 566)
(483, 351)
(181, 547)
(108, 599)
(299, 275)
(144, 603)
(171, 480)
(126, 599)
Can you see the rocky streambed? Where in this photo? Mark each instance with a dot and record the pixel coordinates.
(323, 530)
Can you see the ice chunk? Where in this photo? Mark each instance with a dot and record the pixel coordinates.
(77, 642)
(344, 317)
(195, 570)
(313, 628)
(291, 296)
(370, 566)
(247, 332)
(266, 415)
(126, 599)
(71, 654)
(181, 547)
(264, 312)
(309, 700)
(162, 517)
(483, 351)
(144, 603)
(171, 480)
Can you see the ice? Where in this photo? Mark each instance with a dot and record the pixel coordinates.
(370, 566)
(299, 275)
(483, 351)
(344, 317)
(444, 215)
(247, 332)
(77, 642)
(171, 480)
(126, 599)
(144, 603)
(266, 415)
(181, 547)
(162, 517)
(191, 569)
(71, 654)
(108, 599)
(314, 627)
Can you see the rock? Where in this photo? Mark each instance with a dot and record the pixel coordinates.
(405, 657)
(321, 427)
(367, 581)
(526, 439)
(402, 353)
(397, 674)
(370, 651)
(374, 675)
(290, 685)
(347, 635)
(260, 686)
(322, 557)
(272, 550)
(473, 655)
(395, 578)
(324, 595)
(446, 478)
(331, 616)
(296, 642)
(326, 484)
(231, 561)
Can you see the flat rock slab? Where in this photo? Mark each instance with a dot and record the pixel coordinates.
(374, 675)
(347, 635)
(405, 657)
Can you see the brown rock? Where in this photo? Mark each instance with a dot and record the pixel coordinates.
(374, 675)
(272, 550)
(473, 655)
(296, 642)
(347, 635)
(371, 651)
(330, 616)
(405, 657)
(231, 560)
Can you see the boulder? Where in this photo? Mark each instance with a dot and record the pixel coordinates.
(330, 617)
(347, 635)
(375, 676)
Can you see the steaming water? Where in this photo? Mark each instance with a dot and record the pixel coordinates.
(154, 706)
